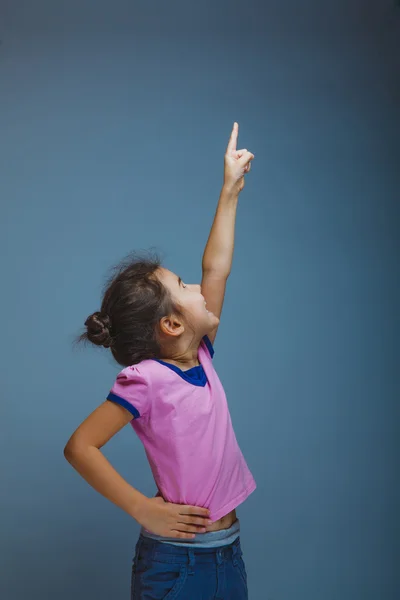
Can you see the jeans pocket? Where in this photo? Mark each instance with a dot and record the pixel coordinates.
(161, 580)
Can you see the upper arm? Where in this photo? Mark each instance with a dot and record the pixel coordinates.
(100, 426)
(213, 288)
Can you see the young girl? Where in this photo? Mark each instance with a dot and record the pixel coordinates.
(162, 332)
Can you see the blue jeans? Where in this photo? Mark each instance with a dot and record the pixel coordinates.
(162, 571)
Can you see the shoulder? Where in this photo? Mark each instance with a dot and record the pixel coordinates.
(132, 388)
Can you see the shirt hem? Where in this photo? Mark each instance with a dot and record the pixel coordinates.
(227, 508)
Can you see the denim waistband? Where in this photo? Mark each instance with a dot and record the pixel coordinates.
(210, 539)
(151, 550)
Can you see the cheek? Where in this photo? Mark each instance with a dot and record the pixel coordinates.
(200, 307)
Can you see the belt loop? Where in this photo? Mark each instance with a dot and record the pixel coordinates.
(219, 557)
(191, 562)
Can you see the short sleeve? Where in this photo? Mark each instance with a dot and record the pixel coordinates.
(131, 390)
(207, 344)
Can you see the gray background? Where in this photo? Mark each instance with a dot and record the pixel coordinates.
(114, 118)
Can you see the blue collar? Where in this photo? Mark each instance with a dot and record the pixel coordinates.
(195, 375)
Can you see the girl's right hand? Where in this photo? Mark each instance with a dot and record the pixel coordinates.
(236, 163)
(172, 520)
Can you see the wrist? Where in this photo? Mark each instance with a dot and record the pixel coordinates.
(230, 190)
(139, 508)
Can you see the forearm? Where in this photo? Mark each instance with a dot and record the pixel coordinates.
(218, 253)
(93, 466)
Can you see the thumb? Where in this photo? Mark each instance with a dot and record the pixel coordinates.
(159, 499)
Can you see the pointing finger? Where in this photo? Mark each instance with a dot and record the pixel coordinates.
(233, 139)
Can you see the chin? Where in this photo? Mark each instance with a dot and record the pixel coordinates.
(215, 322)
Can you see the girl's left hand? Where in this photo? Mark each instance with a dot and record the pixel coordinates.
(237, 163)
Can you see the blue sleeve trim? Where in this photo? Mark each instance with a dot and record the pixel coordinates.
(209, 345)
(124, 403)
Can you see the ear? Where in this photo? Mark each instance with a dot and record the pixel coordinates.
(171, 325)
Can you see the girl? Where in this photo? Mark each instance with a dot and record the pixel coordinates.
(162, 332)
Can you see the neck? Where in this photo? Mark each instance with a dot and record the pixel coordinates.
(183, 356)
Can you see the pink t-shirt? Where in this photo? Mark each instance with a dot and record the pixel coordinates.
(183, 421)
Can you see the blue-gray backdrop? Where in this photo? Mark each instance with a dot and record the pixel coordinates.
(114, 120)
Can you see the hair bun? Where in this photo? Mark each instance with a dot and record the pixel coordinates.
(98, 329)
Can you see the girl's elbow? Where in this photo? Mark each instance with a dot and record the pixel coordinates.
(72, 449)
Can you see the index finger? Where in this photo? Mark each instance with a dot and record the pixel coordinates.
(188, 509)
(233, 139)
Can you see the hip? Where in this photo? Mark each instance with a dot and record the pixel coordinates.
(210, 539)
(224, 522)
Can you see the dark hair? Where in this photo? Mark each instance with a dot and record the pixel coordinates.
(134, 301)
